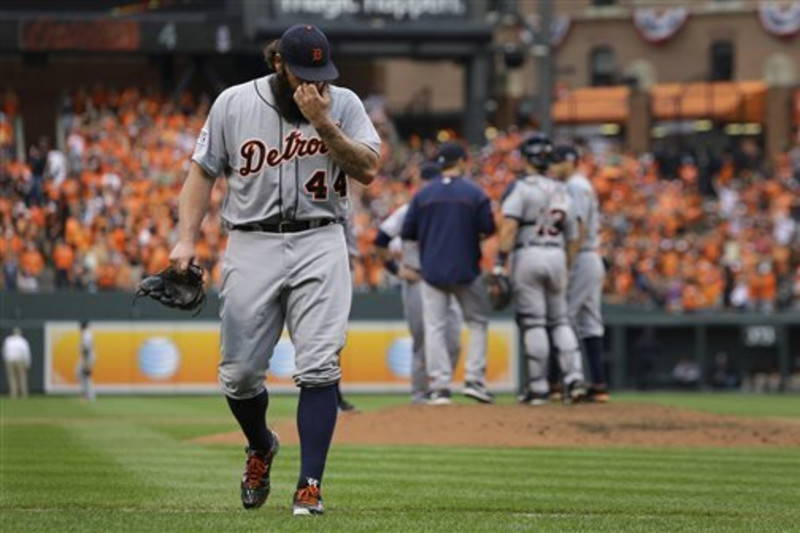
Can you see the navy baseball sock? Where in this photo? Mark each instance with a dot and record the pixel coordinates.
(252, 417)
(316, 419)
(553, 369)
(594, 352)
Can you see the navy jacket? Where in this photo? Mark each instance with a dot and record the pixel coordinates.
(448, 218)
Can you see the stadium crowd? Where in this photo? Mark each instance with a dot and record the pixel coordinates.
(677, 233)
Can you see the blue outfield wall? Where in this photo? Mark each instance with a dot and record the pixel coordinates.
(642, 346)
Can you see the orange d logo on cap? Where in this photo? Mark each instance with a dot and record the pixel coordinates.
(316, 56)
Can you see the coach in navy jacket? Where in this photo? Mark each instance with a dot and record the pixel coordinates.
(448, 218)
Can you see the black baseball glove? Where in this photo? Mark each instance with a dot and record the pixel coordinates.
(499, 287)
(179, 290)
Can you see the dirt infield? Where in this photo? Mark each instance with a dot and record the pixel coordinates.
(520, 426)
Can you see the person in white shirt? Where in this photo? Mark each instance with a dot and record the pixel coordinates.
(86, 364)
(17, 356)
(56, 168)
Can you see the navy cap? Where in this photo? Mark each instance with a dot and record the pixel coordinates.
(306, 50)
(449, 153)
(565, 153)
(430, 171)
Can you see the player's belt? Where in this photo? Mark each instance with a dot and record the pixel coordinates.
(539, 244)
(285, 226)
(587, 250)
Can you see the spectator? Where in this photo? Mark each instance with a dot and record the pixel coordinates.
(17, 357)
(37, 158)
(686, 373)
(10, 271)
(64, 262)
(56, 167)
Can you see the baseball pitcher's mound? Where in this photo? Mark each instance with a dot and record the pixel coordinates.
(521, 426)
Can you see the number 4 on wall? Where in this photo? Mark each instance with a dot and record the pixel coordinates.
(317, 186)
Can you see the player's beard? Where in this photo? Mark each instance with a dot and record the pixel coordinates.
(284, 98)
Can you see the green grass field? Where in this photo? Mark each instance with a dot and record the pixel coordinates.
(126, 464)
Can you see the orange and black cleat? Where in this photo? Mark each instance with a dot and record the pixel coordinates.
(308, 500)
(255, 484)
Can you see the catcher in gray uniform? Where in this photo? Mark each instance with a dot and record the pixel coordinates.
(388, 243)
(536, 219)
(584, 294)
(285, 144)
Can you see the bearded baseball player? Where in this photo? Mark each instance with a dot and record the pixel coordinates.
(584, 294)
(286, 144)
(537, 224)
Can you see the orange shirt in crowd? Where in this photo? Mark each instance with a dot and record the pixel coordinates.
(32, 262)
(158, 260)
(63, 257)
(764, 287)
(106, 276)
(692, 298)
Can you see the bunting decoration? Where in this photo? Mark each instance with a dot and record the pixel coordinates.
(559, 28)
(780, 19)
(658, 26)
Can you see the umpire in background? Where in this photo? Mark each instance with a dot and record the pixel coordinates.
(449, 218)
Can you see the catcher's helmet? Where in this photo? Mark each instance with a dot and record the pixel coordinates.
(537, 148)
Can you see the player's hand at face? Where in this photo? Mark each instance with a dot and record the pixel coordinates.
(314, 101)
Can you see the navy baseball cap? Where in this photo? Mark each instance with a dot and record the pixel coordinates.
(306, 50)
(450, 153)
(430, 171)
(565, 153)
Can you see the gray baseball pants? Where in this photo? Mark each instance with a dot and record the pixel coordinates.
(414, 312)
(585, 293)
(539, 280)
(298, 279)
(474, 302)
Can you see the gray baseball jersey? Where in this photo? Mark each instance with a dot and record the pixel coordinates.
(415, 311)
(586, 209)
(584, 294)
(392, 227)
(539, 276)
(542, 208)
(350, 237)
(276, 170)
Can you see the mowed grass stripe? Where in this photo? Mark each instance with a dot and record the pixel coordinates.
(589, 454)
(46, 466)
(662, 473)
(272, 519)
(135, 473)
(703, 460)
(565, 480)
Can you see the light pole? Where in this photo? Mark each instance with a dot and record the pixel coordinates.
(543, 51)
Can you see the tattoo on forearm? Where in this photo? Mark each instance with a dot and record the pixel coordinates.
(355, 159)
